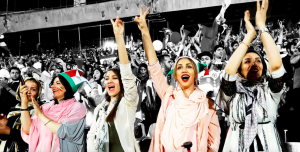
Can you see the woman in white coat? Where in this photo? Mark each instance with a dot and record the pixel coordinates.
(112, 128)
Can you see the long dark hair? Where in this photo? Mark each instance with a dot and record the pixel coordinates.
(101, 75)
(139, 72)
(113, 112)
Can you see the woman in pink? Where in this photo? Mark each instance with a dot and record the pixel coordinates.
(186, 114)
(57, 126)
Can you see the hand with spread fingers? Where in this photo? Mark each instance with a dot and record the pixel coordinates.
(118, 26)
(248, 24)
(261, 14)
(37, 109)
(23, 90)
(141, 21)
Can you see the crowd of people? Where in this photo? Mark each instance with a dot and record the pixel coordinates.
(220, 89)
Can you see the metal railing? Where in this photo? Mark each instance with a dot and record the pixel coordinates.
(3, 13)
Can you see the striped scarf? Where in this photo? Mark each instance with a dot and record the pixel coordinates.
(101, 136)
(254, 93)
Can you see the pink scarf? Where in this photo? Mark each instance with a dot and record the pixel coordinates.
(40, 137)
(181, 115)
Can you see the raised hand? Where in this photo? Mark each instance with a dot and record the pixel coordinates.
(248, 24)
(281, 25)
(182, 27)
(261, 14)
(141, 21)
(23, 93)
(200, 26)
(37, 109)
(117, 26)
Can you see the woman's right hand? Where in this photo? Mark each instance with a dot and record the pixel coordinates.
(23, 93)
(141, 21)
(118, 26)
(248, 24)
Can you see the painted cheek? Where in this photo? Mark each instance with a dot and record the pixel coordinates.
(61, 89)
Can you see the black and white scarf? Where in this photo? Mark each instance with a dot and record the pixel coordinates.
(101, 136)
(253, 93)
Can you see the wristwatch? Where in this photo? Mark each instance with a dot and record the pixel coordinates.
(263, 30)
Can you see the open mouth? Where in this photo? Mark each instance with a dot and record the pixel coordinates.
(111, 88)
(185, 78)
(254, 71)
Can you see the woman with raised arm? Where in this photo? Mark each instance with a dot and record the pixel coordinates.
(112, 128)
(11, 128)
(249, 94)
(185, 114)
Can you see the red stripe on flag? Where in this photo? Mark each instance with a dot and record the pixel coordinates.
(72, 73)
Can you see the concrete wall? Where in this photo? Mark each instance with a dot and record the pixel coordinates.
(97, 12)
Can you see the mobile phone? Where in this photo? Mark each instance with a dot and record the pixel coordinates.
(22, 80)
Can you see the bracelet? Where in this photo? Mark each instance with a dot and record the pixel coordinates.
(47, 122)
(245, 44)
(24, 109)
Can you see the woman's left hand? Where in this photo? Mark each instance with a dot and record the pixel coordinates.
(261, 14)
(249, 26)
(118, 26)
(37, 109)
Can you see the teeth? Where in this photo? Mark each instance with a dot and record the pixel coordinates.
(185, 77)
(111, 87)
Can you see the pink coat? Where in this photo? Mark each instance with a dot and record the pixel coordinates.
(40, 138)
(207, 128)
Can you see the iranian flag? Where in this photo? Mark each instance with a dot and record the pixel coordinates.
(75, 79)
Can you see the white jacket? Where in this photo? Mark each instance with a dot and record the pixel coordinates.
(125, 116)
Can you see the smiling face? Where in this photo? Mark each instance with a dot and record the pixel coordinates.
(185, 73)
(251, 67)
(112, 84)
(58, 89)
(32, 89)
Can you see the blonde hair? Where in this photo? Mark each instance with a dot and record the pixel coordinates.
(194, 67)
